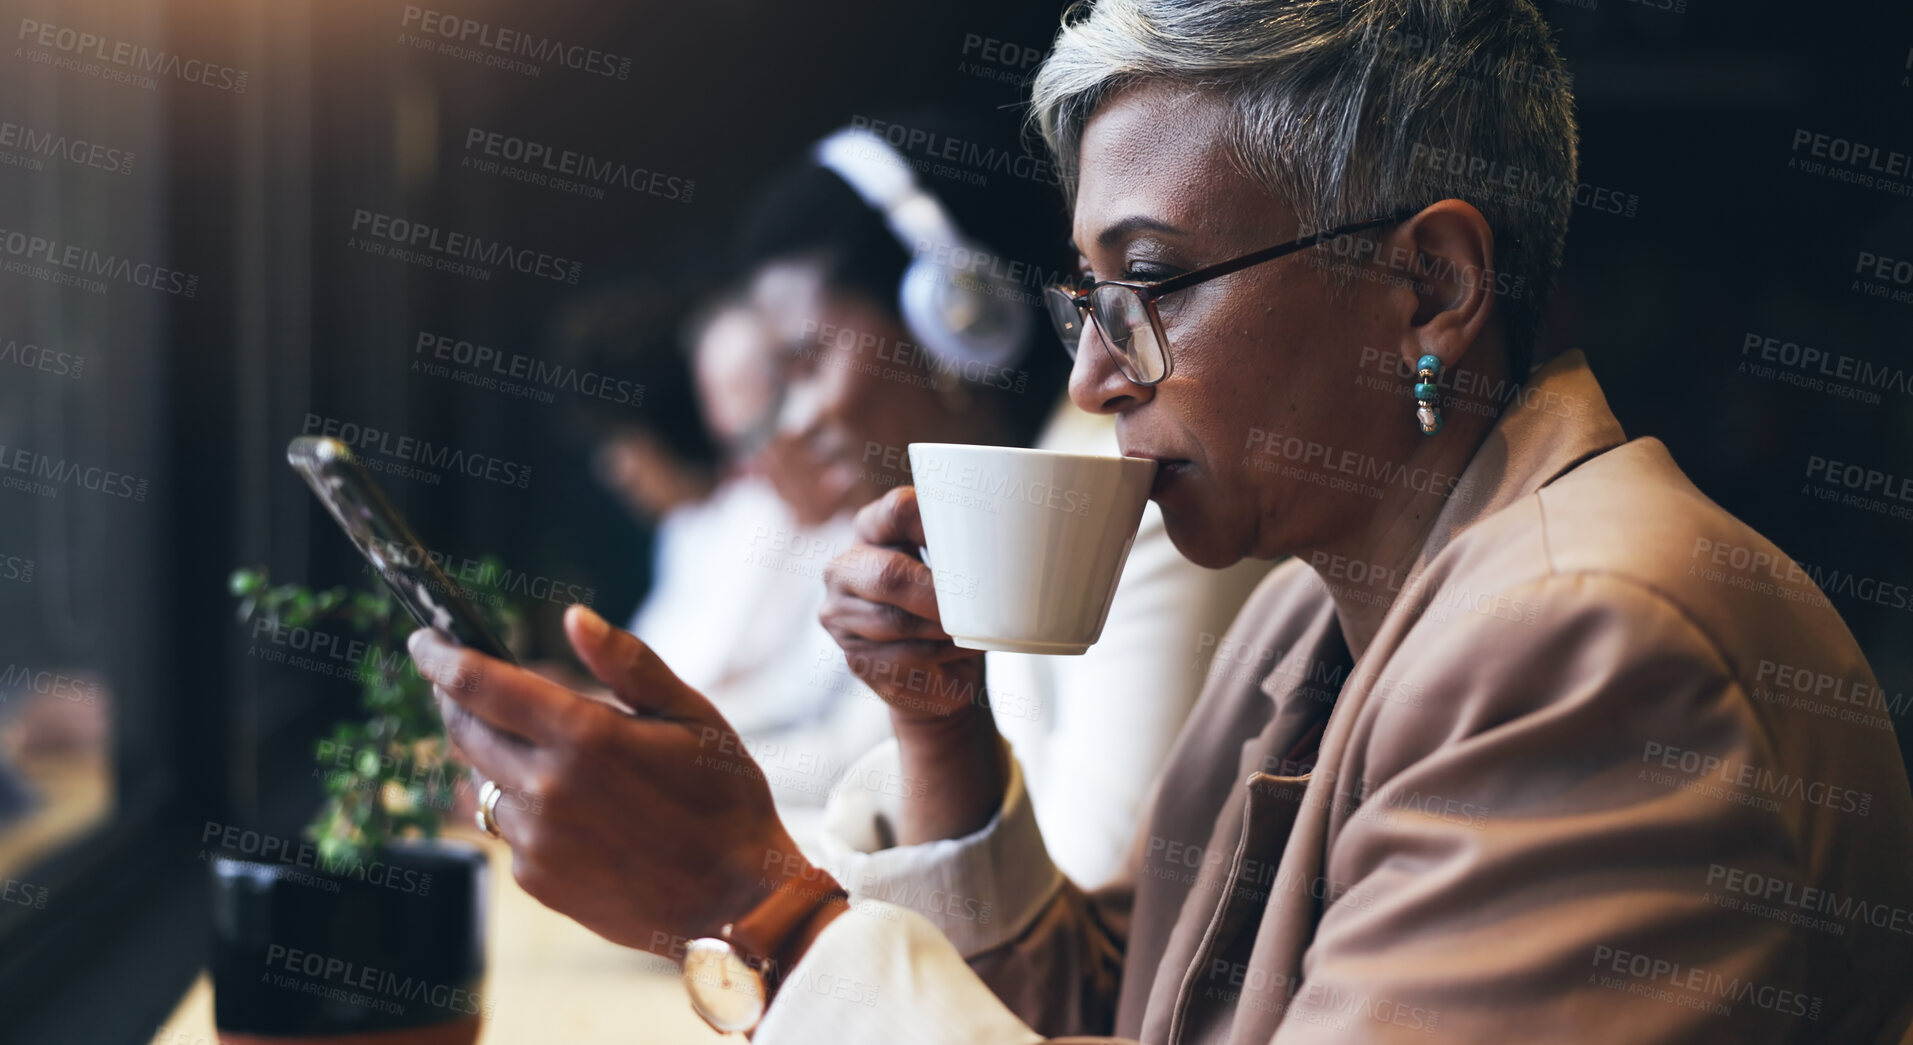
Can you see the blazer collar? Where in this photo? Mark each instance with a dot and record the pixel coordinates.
(1558, 419)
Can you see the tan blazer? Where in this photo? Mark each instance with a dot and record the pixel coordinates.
(1613, 770)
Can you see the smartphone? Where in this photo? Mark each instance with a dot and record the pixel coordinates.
(381, 535)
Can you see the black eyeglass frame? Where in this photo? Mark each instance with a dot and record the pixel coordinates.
(1149, 292)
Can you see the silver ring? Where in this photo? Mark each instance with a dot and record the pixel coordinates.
(488, 796)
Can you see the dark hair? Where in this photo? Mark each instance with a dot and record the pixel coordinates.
(994, 190)
(631, 330)
(809, 212)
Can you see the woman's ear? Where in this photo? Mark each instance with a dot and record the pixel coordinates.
(1448, 252)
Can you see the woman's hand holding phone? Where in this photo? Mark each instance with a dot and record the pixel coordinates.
(647, 828)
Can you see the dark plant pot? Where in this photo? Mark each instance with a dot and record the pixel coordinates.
(391, 952)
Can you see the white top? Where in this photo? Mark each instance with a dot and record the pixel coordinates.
(1093, 731)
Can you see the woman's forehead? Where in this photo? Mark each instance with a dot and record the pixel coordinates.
(1155, 157)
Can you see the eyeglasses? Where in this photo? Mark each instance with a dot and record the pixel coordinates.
(1125, 312)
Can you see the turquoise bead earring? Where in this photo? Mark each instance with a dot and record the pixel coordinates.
(1427, 396)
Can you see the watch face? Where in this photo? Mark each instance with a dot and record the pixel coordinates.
(724, 990)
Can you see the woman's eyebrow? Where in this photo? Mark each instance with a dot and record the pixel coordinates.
(1115, 233)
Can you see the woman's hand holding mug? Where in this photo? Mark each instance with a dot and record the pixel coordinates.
(881, 607)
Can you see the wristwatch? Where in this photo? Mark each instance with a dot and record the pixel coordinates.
(730, 977)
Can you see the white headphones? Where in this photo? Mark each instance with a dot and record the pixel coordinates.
(955, 312)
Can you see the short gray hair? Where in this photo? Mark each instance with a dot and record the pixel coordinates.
(1353, 109)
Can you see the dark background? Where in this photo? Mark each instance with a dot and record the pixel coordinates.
(1691, 112)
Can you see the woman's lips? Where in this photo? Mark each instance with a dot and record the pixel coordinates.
(1168, 473)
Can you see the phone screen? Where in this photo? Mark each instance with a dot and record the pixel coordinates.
(381, 535)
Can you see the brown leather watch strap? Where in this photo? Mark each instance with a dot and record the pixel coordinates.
(765, 935)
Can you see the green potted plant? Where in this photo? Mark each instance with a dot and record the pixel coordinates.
(370, 927)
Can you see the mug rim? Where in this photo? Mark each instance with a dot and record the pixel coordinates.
(1031, 450)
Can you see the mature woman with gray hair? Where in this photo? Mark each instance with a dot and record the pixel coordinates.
(1528, 741)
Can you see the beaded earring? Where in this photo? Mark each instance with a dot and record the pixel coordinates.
(1427, 396)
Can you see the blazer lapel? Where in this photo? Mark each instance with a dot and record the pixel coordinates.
(1219, 914)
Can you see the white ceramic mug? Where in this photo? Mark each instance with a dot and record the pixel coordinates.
(1026, 546)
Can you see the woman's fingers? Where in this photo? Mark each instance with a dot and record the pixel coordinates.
(850, 619)
(909, 661)
(503, 695)
(881, 607)
(497, 755)
(620, 660)
(892, 520)
(884, 576)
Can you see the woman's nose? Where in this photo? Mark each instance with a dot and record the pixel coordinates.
(1095, 382)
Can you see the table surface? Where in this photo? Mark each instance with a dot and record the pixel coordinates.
(548, 979)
